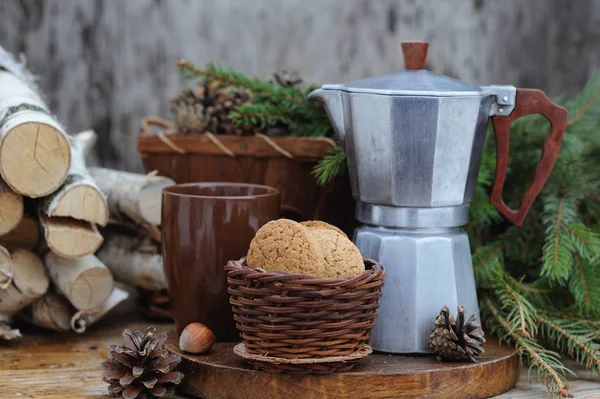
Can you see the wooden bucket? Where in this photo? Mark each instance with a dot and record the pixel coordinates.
(282, 162)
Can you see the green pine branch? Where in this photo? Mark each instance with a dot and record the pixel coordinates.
(334, 164)
(557, 260)
(263, 115)
(572, 337)
(546, 363)
(584, 286)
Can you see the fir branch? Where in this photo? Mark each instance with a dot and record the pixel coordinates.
(556, 238)
(584, 283)
(582, 105)
(584, 240)
(572, 338)
(521, 314)
(263, 115)
(487, 257)
(482, 213)
(595, 324)
(333, 165)
(584, 286)
(549, 368)
(557, 260)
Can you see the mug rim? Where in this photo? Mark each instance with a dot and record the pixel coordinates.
(270, 191)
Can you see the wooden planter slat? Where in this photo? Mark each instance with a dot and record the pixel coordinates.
(303, 148)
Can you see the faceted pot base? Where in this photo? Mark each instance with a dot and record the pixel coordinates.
(426, 269)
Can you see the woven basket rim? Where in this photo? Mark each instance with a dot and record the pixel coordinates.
(373, 269)
(240, 350)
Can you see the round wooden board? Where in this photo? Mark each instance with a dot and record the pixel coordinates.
(220, 374)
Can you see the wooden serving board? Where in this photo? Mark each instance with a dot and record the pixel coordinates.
(220, 374)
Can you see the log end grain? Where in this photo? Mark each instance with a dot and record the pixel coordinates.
(91, 288)
(71, 238)
(30, 275)
(83, 202)
(52, 311)
(11, 210)
(34, 158)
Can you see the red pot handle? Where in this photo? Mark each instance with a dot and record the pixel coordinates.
(528, 101)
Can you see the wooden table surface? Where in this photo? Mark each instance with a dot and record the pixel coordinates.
(54, 366)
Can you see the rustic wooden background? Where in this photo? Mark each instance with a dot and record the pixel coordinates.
(107, 63)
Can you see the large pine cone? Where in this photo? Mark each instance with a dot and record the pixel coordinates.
(456, 340)
(141, 368)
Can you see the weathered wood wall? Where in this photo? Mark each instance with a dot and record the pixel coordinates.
(107, 63)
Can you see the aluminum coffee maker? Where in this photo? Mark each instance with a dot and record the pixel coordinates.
(414, 141)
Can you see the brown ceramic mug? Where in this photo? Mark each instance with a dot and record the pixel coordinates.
(204, 225)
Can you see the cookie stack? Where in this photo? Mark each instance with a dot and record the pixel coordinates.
(311, 248)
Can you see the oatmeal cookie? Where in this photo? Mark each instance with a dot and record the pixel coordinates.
(342, 258)
(319, 224)
(286, 246)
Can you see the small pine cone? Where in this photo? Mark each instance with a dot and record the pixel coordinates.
(456, 340)
(188, 111)
(190, 118)
(285, 78)
(141, 368)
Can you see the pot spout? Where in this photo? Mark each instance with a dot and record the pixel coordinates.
(331, 98)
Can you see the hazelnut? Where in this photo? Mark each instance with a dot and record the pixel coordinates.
(196, 338)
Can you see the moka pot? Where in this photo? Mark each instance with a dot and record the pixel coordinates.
(413, 142)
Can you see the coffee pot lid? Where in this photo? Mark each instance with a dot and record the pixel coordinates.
(414, 81)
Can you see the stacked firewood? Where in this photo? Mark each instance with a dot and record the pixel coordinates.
(57, 269)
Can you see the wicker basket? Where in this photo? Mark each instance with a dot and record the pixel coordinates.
(310, 320)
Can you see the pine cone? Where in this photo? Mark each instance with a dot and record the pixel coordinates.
(285, 78)
(208, 107)
(141, 368)
(188, 110)
(222, 99)
(456, 340)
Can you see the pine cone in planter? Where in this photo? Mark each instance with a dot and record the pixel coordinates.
(207, 108)
(188, 111)
(141, 368)
(456, 340)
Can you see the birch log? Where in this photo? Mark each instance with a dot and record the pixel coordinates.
(11, 208)
(132, 195)
(70, 238)
(79, 197)
(35, 154)
(6, 268)
(30, 282)
(133, 260)
(86, 282)
(52, 311)
(83, 319)
(26, 235)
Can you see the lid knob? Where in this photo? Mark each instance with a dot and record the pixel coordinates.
(415, 53)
